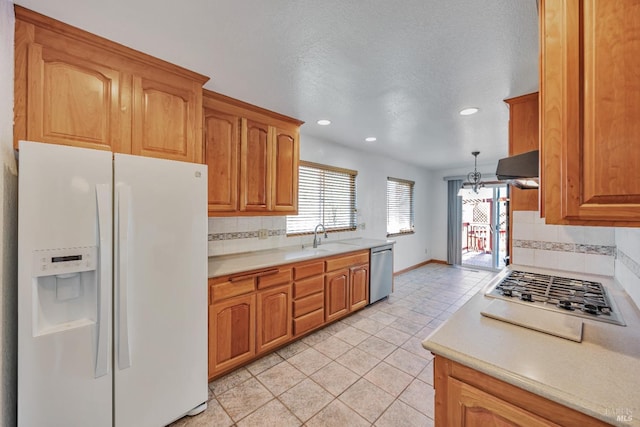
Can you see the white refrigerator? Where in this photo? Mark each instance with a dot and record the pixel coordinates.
(112, 298)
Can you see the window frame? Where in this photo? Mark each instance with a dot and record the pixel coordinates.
(411, 185)
(351, 192)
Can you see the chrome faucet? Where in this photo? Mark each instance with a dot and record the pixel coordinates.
(316, 239)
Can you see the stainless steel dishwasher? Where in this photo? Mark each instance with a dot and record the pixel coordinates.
(381, 280)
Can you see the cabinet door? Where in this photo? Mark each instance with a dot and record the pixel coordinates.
(274, 318)
(232, 338)
(167, 119)
(358, 287)
(523, 137)
(471, 407)
(285, 170)
(255, 176)
(336, 294)
(71, 101)
(590, 104)
(221, 141)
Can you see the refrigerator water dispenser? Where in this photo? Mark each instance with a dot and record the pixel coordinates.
(65, 289)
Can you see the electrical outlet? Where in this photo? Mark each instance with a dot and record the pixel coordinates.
(426, 251)
(263, 233)
(363, 226)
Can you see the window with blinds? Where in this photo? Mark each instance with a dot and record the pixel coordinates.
(399, 206)
(326, 195)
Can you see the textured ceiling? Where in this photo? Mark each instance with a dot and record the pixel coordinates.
(399, 70)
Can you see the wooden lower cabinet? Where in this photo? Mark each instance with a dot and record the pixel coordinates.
(466, 397)
(232, 339)
(274, 318)
(358, 287)
(255, 312)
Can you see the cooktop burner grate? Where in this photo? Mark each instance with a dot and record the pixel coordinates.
(577, 297)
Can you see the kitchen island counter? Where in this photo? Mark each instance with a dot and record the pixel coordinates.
(598, 376)
(237, 263)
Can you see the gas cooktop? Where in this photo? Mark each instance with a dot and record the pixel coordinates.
(576, 297)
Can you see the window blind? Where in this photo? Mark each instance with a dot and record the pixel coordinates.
(326, 195)
(399, 206)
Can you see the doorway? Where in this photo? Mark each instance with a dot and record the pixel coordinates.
(485, 227)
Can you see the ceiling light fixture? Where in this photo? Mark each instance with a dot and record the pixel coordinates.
(324, 122)
(370, 139)
(474, 179)
(469, 111)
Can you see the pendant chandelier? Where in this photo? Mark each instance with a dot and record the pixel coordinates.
(474, 179)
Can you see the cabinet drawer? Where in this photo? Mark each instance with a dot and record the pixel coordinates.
(308, 270)
(347, 261)
(279, 278)
(229, 289)
(306, 287)
(308, 304)
(308, 321)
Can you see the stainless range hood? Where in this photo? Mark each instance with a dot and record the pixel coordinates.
(520, 170)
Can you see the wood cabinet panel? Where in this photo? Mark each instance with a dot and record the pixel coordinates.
(590, 101)
(75, 88)
(466, 397)
(336, 294)
(472, 407)
(222, 144)
(72, 101)
(255, 152)
(358, 287)
(277, 278)
(308, 322)
(228, 288)
(285, 178)
(523, 137)
(274, 318)
(308, 270)
(232, 324)
(308, 304)
(266, 171)
(305, 287)
(165, 121)
(347, 261)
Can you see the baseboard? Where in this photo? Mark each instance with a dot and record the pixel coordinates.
(422, 264)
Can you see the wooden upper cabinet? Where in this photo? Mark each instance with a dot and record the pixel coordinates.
(222, 145)
(590, 104)
(255, 165)
(285, 168)
(523, 137)
(75, 88)
(166, 119)
(253, 156)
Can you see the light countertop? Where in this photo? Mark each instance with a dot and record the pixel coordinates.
(599, 376)
(237, 263)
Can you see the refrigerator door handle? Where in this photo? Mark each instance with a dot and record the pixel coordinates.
(103, 195)
(122, 340)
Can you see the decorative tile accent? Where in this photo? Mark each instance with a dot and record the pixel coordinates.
(565, 247)
(629, 262)
(244, 235)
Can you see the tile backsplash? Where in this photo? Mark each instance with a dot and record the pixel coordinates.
(628, 261)
(581, 249)
(229, 235)
(607, 251)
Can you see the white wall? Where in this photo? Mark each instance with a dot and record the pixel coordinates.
(8, 223)
(371, 182)
(439, 204)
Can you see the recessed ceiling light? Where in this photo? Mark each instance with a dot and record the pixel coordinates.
(370, 138)
(468, 111)
(324, 122)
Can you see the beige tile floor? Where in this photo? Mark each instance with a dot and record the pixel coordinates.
(368, 369)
